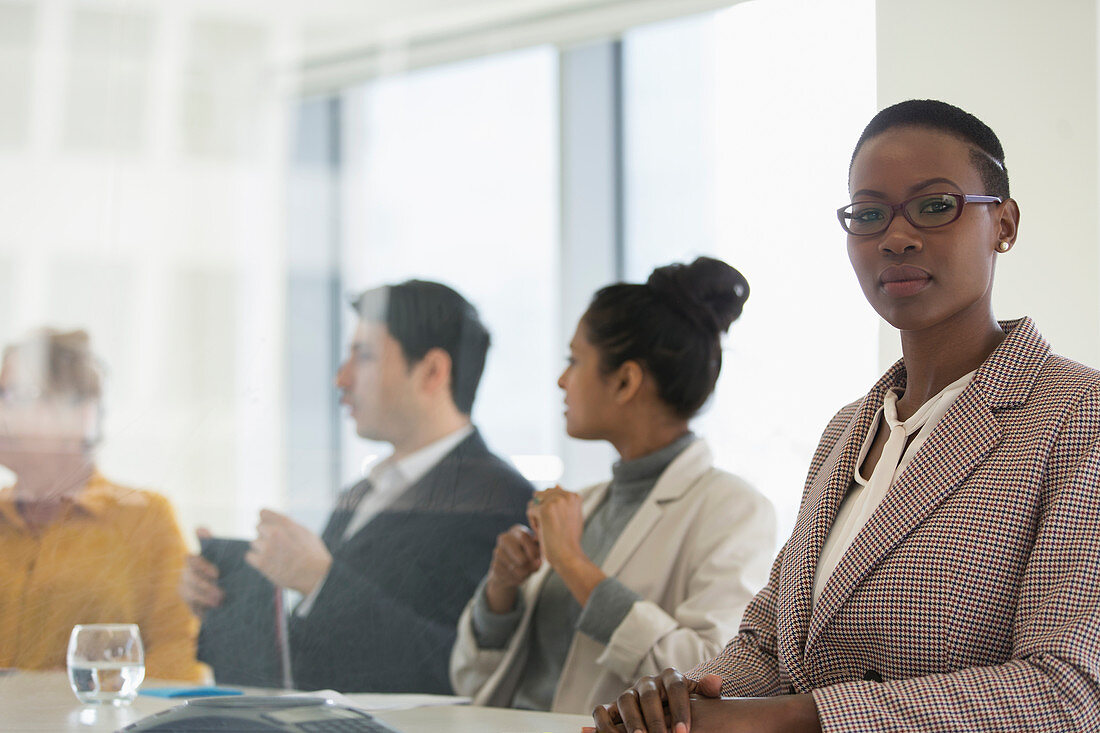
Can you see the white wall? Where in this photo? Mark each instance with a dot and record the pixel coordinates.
(1029, 70)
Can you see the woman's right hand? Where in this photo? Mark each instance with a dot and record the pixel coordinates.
(656, 704)
(515, 558)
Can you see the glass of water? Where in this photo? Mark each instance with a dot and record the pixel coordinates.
(106, 663)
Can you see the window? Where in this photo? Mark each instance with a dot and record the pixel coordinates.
(737, 141)
(451, 175)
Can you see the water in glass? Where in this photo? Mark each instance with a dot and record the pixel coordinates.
(106, 663)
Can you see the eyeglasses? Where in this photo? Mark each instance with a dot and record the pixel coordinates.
(927, 211)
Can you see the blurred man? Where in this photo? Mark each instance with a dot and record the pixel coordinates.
(404, 549)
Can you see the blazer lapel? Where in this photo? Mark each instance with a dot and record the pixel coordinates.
(796, 580)
(442, 488)
(338, 521)
(674, 482)
(965, 435)
(967, 432)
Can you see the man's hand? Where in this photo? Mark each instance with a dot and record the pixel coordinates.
(515, 558)
(199, 581)
(288, 553)
(656, 704)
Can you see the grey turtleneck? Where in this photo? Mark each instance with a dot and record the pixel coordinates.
(557, 615)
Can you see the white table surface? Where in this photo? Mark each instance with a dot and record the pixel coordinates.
(42, 701)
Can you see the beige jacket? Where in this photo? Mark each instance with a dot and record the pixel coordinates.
(696, 551)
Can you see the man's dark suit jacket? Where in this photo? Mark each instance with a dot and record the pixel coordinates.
(385, 618)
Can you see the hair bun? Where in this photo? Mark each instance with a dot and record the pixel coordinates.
(707, 292)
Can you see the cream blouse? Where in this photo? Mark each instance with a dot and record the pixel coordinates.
(864, 495)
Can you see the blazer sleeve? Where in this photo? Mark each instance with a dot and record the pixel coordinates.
(1052, 681)
(727, 552)
(471, 666)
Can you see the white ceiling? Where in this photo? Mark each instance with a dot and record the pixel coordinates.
(350, 40)
(327, 44)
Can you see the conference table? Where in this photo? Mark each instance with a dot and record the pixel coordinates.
(42, 701)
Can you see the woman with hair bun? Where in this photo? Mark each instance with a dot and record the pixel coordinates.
(653, 568)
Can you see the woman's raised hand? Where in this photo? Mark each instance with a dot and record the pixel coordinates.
(558, 522)
(557, 517)
(515, 558)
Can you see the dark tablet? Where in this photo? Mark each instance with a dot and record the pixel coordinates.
(242, 639)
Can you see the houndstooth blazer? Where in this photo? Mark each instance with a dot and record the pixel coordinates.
(970, 600)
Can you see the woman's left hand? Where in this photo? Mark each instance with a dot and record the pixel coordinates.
(555, 516)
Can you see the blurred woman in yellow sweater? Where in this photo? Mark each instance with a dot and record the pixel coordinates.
(76, 548)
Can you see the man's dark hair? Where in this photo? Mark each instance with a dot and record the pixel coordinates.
(423, 315)
(986, 152)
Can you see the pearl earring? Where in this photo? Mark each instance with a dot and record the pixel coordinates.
(1003, 247)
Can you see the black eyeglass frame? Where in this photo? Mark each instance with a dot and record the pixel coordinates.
(961, 199)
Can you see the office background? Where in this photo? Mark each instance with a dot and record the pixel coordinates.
(202, 185)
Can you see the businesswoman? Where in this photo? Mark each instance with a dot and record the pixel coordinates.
(943, 571)
(78, 548)
(653, 568)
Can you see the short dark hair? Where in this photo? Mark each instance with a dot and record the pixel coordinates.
(672, 326)
(423, 315)
(986, 152)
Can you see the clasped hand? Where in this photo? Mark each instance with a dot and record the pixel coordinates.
(672, 702)
(515, 558)
(657, 704)
(558, 522)
(554, 536)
